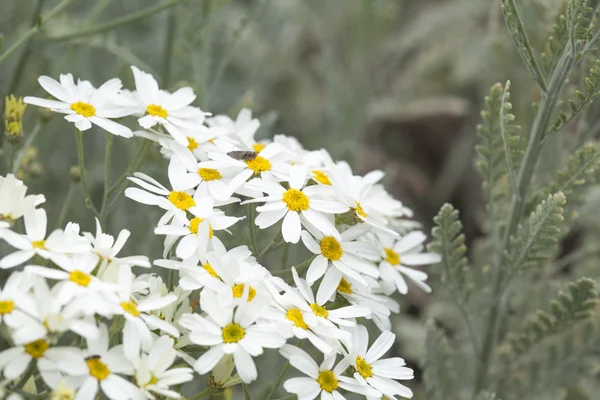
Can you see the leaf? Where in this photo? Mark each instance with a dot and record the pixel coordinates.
(557, 41)
(439, 371)
(500, 146)
(580, 101)
(449, 242)
(579, 19)
(573, 305)
(519, 36)
(538, 238)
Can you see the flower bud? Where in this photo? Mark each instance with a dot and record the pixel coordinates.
(13, 118)
(75, 173)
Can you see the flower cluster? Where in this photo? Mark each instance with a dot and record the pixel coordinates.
(81, 316)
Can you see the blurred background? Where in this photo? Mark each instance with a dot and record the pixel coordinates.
(395, 85)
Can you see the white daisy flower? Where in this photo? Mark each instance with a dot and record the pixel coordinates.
(84, 104)
(77, 281)
(139, 321)
(197, 233)
(152, 373)
(105, 246)
(34, 241)
(13, 201)
(50, 317)
(243, 334)
(381, 306)
(371, 370)
(175, 202)
(339, 255)
(102, 368)
(242, 129)
(408, 251)
(323, 380)
(289, 204)
(354, 192)
(171, 110)
(15, 301)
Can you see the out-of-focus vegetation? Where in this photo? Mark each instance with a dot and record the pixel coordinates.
(389, 84)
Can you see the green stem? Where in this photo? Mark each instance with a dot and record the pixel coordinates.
(66, 205)
(36, 129)
(25, 377)
(34, 29)
(282, 374)
(299, 267)
(540, 126)
(247, 395)
(200, 395)
(271, 245)
(251, 228)
(107, 168)
(168, 53)
(117, 190)
(115, 23)
(80, 158)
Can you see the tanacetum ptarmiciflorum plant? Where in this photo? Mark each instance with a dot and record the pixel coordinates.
(528, 325)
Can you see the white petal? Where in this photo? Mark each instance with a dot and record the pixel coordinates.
(291, 227)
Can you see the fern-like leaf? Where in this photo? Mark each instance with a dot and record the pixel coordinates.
(580, 101)
(557, 41)
(511, 138)
(579, 19)
(519, 36)
(449, 242)
(573, 305)
(538, 238)
(439, 372)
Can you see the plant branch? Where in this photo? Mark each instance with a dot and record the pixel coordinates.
(107, 164)
(536, 136)
(80, 159)
(36, 129)
(251, 233)
(117, 22)
(66, 205)
(282, 374)
(34, 29)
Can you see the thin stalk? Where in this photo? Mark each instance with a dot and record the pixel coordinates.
(107, 164)
(299, 268)
(168, 53)
(80, 158)
(115, 23)
(28, 142)
(25, 377)
(117, 190)
(200, 395)
(247, 395)
(282, 374)
(66, 205)
(34, 29)
(540, 126)
(271, 245)
(251, 228)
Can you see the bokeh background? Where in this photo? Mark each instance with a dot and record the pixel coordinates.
(385, 84)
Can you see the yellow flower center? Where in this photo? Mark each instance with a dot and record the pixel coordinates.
(80, 278)
(238, 290)
(39, 244)
(391, 256)
(321, 177)
(295, 315)
(258, 147)
(97, 368)
(209, 174)
(181, 200)
(157, 111)
(327, 381)
(7, 218)
(37, 349)
(233, 333)
(295, 200)
(194, 227)
(85, 109)
(192, 144)
(359, 210)
(131, 308)
(344, 287)
(211, 270)
(153, 380)
(6, 306)
(331, 249)
(363, 367)
(319, 311)
(259, 164)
